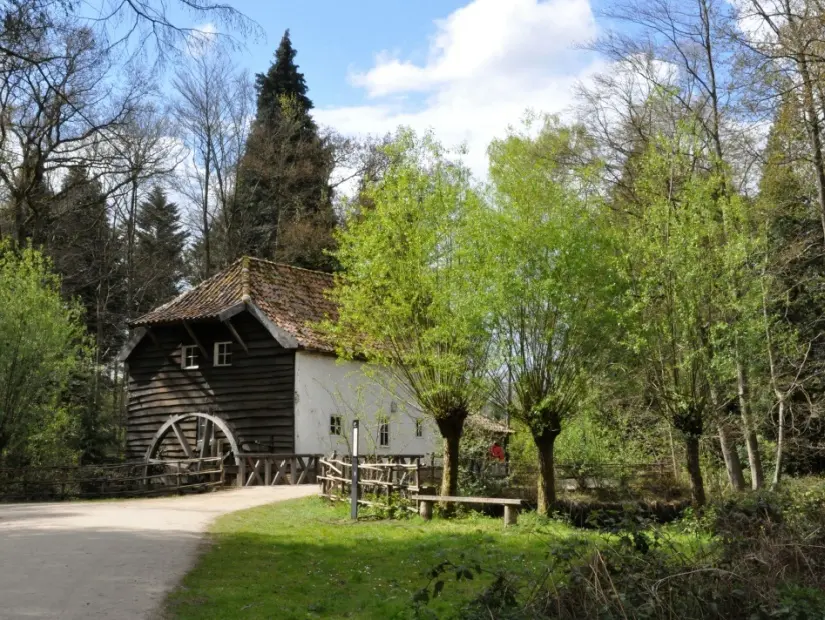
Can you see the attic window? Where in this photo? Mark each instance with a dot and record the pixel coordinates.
(189, 357)
(223, 354)
(419, 427)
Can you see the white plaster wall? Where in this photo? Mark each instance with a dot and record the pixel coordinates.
(326, 386)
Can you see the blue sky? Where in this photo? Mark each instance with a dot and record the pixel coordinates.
(466, 69)
(334, 37)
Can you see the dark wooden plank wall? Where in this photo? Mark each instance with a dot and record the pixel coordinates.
(256, 394)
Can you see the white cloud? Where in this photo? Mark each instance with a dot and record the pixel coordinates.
(487, 63)
(201, 38)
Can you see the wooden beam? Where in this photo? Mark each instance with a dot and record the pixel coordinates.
(284, 338)
(206, 439)
(235, 334)
(231, 311)
(183, 442)
(192, 335)
(151, 333)
(129, 346)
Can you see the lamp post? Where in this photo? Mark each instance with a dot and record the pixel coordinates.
(354, 462)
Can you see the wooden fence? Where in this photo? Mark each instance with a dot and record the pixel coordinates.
(379, 476)
(263, 468)
(157, 477)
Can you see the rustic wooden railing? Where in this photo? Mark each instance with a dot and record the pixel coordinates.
(134, 479)
(377, 475)
(263, 468)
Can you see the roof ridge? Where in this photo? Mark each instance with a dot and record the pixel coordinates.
(277, 264)
(183, 294)
(245, 296)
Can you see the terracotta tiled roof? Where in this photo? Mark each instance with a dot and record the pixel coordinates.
(291, 297)
(483, 423)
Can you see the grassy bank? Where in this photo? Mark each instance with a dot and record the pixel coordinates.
(754, 555)
(305, 559)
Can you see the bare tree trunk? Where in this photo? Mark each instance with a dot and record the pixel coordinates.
(207, 252)
(732, 463)
(731, 456)
(751, 440)
(18, 228)
(780, 441)
(546, 485)
(694, 470)
(451, 427)
(673, 453)
(814, 135)
(131, 227)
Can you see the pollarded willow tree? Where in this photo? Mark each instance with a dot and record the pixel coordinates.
(554, 282)
(688, 261)
(410, 293)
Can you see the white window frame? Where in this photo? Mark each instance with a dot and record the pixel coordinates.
(336, 425)
(419, 427)
(227, 353)
(384, 433)
(185, 355)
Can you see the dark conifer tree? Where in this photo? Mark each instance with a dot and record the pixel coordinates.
(283, 80)
(159, 249)
(84, 248)
(284, 209)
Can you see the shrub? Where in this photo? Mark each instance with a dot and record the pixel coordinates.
(751, 557)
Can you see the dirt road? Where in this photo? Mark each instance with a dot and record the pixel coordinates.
(108, 559)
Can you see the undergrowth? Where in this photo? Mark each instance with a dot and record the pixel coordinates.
(752, 557)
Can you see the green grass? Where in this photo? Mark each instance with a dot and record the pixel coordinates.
(305, 559)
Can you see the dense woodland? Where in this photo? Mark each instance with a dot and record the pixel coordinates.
(639, 280)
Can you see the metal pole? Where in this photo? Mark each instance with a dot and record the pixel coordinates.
(354, 463)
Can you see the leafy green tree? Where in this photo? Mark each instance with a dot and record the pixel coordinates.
(554, 283)
(41, 341)
(159, 262)
(411, 292)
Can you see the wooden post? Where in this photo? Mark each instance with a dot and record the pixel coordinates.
(425, 509)
(241, 472)
(177, 476)
(354, 461)
(267, 472)
(510, 515)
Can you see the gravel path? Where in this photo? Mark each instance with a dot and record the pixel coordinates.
(108, 559)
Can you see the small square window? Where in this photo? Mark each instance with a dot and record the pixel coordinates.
(334, 425)
(419, 427)
(384, 433)
(223, 354)
(189, 357)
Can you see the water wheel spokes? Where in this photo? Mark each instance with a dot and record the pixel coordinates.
(176, 434)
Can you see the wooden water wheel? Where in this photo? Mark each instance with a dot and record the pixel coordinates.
(192, 436)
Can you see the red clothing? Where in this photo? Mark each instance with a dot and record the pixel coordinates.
(497, 452)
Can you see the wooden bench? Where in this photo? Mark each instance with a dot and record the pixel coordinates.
(511, 506)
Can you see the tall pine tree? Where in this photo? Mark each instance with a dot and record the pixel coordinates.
(283, 80)
(284, 211)
(159, 247)
(85, 251)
